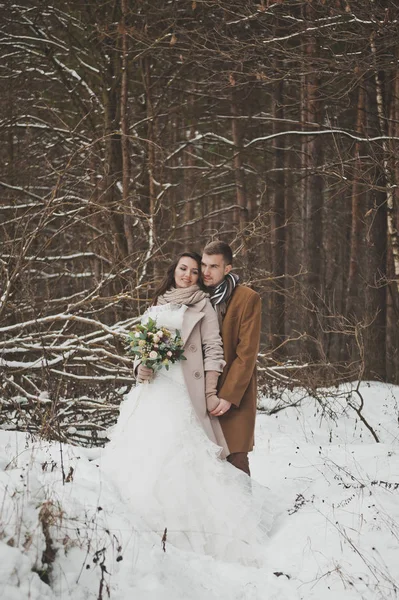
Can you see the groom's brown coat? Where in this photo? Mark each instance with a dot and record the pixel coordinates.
(237, 384)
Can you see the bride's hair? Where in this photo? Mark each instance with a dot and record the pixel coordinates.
(169, 280)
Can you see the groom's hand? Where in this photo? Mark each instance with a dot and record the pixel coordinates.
(221, 409)
(144, 373)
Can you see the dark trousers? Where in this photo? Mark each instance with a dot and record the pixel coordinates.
(240, 461)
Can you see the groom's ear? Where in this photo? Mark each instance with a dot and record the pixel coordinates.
(227, 269)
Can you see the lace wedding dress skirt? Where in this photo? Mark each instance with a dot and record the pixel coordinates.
(172, 475)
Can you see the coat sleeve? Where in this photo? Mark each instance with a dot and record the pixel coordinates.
(211, 341)
(243, 366)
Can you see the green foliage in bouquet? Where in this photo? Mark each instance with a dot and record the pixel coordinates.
(157, 347)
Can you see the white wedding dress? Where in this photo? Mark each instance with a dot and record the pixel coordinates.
(172, 475)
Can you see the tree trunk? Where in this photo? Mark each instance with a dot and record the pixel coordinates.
(358, 211)
(313, 204)
(189, 179)
(241, 215)
(387, 170)
(376, 291)
(113, 155)
(278, 224)
(392, 292)
(126, 200)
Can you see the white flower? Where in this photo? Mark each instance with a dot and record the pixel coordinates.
(169, 353)
(153, 354)
(159, 333)
(156, 339)
(137, 335)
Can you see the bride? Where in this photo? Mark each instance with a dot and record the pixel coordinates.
(175, 476)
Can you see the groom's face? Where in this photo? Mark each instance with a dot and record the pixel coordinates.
(214, 269)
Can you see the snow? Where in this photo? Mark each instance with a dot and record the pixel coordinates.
(335, 535)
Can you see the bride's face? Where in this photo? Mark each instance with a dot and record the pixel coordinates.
(186, 272)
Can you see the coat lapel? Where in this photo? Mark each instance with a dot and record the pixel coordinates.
(191, 318)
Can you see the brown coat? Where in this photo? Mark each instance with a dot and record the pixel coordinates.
(240, 335)
(203, 351)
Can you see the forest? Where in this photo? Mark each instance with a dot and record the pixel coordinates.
(132, 130)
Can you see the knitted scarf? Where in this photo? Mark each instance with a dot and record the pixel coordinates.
(188, 296)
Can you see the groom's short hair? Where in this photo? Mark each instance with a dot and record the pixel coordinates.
(218, 247)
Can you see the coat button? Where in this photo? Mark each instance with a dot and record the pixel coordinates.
(192, 348)
(197, 374)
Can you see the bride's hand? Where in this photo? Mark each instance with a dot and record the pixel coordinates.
(221, 408)
(144, 374)
(212, 401)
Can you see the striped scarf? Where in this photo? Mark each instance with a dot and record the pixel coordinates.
(222, 293)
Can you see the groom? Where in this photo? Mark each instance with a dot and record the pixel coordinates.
(239, 313)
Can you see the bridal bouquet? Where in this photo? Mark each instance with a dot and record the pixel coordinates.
(156, 346)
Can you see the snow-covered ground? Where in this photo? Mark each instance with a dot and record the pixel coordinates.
(336, 496)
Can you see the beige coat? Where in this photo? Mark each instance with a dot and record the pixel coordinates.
(203, 351)
(240, 335)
